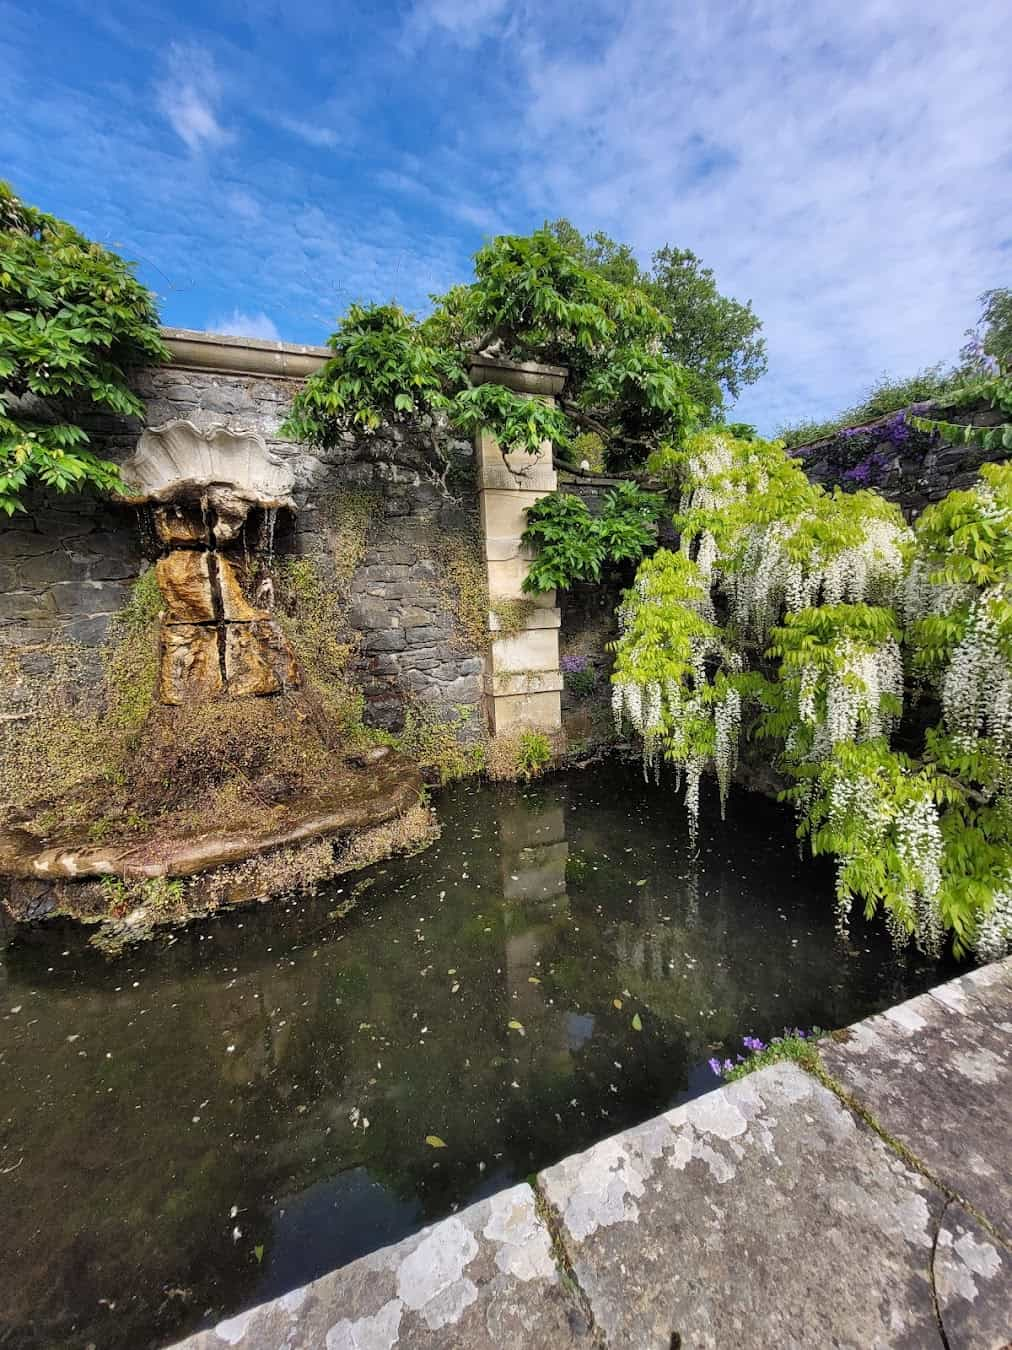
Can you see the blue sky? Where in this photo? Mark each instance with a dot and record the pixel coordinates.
(847, 167)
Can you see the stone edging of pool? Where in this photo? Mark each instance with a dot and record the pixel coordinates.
(866, 1204)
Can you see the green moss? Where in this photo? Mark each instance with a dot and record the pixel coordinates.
(348, 514)
(462, 587)
(435, 744)
(511, 614)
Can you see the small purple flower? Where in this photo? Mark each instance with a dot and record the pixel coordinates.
(715, 1066)
(753, 1043)
(728, 1065)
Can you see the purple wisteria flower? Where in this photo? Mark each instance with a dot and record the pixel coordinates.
(867, 470)
(573, 665)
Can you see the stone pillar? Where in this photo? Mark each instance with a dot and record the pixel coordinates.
(523, 682)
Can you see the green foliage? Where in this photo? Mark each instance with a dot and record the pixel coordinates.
(716, 339)
(996, 321)
(791, 1046)
(517, 423)
(534, 754)
(531, 300)
(436, 746)
(73, 318)
(888, 394)
(817, 609)
(573, 545)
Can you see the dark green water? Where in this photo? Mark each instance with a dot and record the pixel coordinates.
(183, 1132)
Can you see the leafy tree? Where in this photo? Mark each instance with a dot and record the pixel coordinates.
(713, 336)
(73, 318)
(531, 300)
(996, 321)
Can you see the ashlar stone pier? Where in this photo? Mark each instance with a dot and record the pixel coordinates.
(866, 1205)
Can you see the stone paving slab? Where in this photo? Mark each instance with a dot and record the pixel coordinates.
(973, 1284)
(936, 1074)
(484, 1279)
(762, 1215)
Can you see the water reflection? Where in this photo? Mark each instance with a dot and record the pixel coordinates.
(195, 1128)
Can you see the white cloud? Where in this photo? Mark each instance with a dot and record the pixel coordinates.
(465, 22)
(239, 324)
(846, 167)
(189, 95)
(323, 137)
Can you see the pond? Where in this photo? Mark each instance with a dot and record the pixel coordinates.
(204, 1124)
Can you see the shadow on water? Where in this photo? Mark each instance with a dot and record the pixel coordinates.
(205, 1124)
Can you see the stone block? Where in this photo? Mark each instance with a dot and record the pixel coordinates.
(90, 630)
(46, 568)
(235, 607)
(367, 614)
(523, 682)
(526, 712)
(89, 597)
(27, 605)
(189, 667)
(483, 1279)
(763, 1214)
(531, 649)
(506, 577)
(392, 640)
(185, 584)
(936, 1074)
(428, 636)
(504, 513)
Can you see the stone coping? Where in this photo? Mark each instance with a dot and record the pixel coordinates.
(195, 350)
(775, 1211)
(524, 377)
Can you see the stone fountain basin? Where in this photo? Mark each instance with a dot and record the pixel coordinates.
(361, 799)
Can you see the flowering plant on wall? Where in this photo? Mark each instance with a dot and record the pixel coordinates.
(827, 616)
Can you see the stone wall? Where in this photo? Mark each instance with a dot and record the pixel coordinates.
(902, 463)
(67, 564)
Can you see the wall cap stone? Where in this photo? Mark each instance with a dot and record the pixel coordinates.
(523, 377)
(195, 350)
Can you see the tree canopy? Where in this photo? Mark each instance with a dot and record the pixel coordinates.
(713, 336)
(73, 318)
(534, 298)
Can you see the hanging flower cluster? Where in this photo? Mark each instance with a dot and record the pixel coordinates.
(840, 677)
(836, 591)
(993, 937)
(877, 813)
(673, 677)
(773, 542)
(977, 683)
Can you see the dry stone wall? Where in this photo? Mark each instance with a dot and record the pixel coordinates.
(902, 463)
